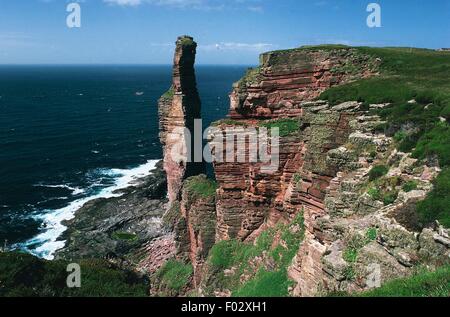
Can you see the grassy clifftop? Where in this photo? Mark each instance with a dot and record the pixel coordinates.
(416, 84)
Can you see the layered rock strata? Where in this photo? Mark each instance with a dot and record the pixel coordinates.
(193, 223)
(178, 109)
(282, 87)
(358, 241)
(287, 78)
(191, 215)
(198, 210)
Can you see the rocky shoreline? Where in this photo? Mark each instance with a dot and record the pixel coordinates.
(117, 228)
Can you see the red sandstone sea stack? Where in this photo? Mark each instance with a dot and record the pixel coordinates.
(178, 108)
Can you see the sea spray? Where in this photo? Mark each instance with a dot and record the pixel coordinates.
(46, 243)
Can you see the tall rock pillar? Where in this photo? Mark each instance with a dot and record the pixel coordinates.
(178, 109)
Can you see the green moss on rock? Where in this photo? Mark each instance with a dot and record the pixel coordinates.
(201, 186)
(286, 127)
(168, 95)
(175, 275)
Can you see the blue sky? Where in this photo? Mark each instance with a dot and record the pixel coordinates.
(228, 31)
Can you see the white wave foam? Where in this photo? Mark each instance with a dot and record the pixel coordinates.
(75, 190)
(52, 199)
(52, 220)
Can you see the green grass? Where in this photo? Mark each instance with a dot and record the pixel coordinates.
(168, 95)
(375, 193)
(371, 234)
(286, 126)
(25, 275)
(229, 122)
(410, 186)
(390, 198)
(381, 188)
(124, 236)
(266, 284)
(435, 142)
(226, 254)
(350, 255)
(314, 47)
(377, 172)
(201, 186)
(186, 41)
(356, 242)
(405, 74)
(238, 255)
(252, 75)
(424, 284)
(175, 274)
(437, 204)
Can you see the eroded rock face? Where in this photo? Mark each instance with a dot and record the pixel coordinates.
(248, 197)
(357, 241)
(282, 87)
(353, 240)
(285, 79)
(156, 253)
(194, 224)
(178, 109)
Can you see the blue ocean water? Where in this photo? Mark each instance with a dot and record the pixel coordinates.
(72, 133)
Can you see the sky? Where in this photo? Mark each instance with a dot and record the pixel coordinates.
(227, 31)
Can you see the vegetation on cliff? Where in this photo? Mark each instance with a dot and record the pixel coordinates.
(423, 284)
(201, 186)
(168, 95)
(24, 275)
(234, 261)
(286, 127)
(437, 204)
(416, 83)
(173, 277)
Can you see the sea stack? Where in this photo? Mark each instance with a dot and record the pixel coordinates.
(179, 107)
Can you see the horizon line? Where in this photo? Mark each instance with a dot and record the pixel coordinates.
(114, 64)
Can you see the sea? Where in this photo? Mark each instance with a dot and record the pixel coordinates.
(70, 134)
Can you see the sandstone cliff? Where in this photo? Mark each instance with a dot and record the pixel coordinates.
(357, 231)
(326, 154)
(191, 211)
(178, 109)
(281, 88)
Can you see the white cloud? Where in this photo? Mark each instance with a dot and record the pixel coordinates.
(193, 4)
(233, 46)
(14, 39)
(131, 3)
(224, 46)
(257, 9)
